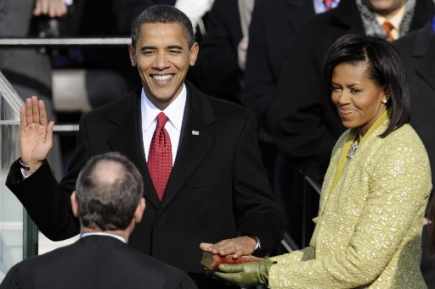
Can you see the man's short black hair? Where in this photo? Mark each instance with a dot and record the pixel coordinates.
(108, 188)
(162, 14)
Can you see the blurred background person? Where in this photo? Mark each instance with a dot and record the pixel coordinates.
(368, 229)
(221, 61)
(272, 33)
(418, 54)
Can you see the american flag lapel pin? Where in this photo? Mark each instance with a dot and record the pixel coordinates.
(195, 132)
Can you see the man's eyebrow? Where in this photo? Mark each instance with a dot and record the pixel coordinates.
(175, 47)
(145, 47)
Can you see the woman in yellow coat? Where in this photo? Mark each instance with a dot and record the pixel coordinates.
(375, 191)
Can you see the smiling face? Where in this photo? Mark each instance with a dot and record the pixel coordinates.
(163, 56)
(359, 99)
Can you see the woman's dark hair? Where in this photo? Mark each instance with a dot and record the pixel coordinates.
(385, 69)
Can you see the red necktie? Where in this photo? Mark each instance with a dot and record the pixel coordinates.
(388, 28)
(328, 4)
(160, 156)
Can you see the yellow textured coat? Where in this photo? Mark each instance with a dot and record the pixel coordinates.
(369, 227)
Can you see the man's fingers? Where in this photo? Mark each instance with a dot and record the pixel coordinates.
(60, 8)
(224, 244)
(23, 119)
(41, 8)
(234, 247)
(237, 255)
(231, 268)
(205, 246)
(44, 6)
(35, 110)
(43, 119)
(37, 10)
(29, 113)
(230, 247)
(49, 137)
(54, 9)
(227, 251)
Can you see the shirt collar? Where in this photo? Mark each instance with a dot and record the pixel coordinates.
(88, 234)
(395, 20)
(174, 111)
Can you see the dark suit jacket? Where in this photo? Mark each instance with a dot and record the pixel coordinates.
(273, 29)
(418, 54)
(95, 262)
(304, 122)
(217, 69)
(217, 189)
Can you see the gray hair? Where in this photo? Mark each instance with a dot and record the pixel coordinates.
(109, 188)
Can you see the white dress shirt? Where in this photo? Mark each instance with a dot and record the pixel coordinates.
(395, 20)
(87, 234)
(175, 114)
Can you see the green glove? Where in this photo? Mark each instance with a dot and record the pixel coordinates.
(246, 274)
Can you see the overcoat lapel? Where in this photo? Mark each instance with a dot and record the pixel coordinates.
(197, 138)
(126, 138)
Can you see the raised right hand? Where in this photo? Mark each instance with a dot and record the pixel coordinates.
(36, 133)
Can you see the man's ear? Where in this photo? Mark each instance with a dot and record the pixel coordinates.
(138, 214)
(194, 51)
(131, 53)
(75, 204)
